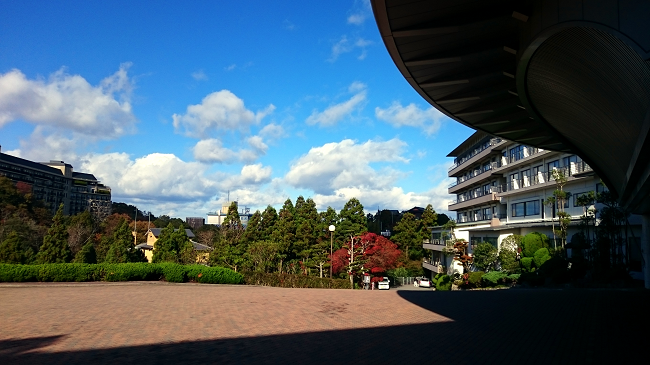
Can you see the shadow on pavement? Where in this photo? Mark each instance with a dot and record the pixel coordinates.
(489, 327)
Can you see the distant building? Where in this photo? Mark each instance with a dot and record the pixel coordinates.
(195, 222)
(154, 233)
(55, 183)
(217, 218)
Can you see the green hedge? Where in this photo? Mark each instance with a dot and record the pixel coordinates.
(119, 272)
(444, 283)
(294, 281)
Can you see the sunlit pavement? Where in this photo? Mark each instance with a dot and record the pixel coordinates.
(192, 323)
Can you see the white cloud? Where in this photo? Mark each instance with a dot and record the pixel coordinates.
(429, 120)
(338, 165)
(213, 151)
(345, 45)
(356, 19)
(69, 102)
(155, 176)
(199, 75)
(288, 25)
(255, 174)
(272, 132)
(231, 67)
(219, 111)
(360, 11)
(337, 112)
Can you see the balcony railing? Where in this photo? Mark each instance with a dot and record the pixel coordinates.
(543, 177)
(525, 153)
(475, 152)
(473, 195)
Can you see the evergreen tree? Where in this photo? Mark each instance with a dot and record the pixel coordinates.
(407, 236)
(429, 219)
(285, 230)
(352, 221)
(269, 219)
(86, 255)
(55, 244)
(253, 231)
(122, 248)
(229, 250)
(172, 245)
(11, 251)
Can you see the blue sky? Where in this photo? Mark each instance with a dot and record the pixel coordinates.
(173, 104)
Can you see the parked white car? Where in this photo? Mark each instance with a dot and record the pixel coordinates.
(384, 284)
(423, 282)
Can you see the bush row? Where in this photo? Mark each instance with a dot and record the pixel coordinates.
(175, 273)
(294, 281)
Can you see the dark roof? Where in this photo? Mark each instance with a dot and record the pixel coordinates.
(144, 246)
(468, 143)
(156, 232)
(29, 164)
(200, 247)
(83, 175)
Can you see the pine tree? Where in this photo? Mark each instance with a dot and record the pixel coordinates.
(170, 245)
(11, 251)
(269, 219)
(406, 235)
(285, 231)
(55, 244)
(253, 231)
(352, 221)
(86, 255)
(429, 219)
(122, 248)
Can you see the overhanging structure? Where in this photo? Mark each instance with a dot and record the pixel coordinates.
(564, 75)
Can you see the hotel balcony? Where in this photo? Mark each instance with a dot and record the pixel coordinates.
(475, 176)
(436, 244)
(543, 179)
(526, 156)
(476, 155)
(470, 201)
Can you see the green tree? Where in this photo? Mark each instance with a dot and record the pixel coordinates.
(269, 219)
(229, 248)
(122, 248)
(11, 251)
(254, 229)
(485, 256)
(285, 231)
(406, 235)
(80, 230)
(263, 255)
(508, 254)
(173, 245)
(352, 221)
(55, 244)
(429, 219)
(87, 255)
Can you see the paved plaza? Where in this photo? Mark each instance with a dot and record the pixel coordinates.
(151, 323)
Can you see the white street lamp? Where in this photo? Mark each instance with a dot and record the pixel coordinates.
(332, 228)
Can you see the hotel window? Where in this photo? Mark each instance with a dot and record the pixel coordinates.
(487, 213)
(516, 153)
(525, 208)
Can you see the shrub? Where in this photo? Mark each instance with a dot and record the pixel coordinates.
(527, 264)
(533, 242)
(493, 278)
(541, 256)
(474, 280)
(513, 278)
(87, 255)
(485, 256)
(119, 272)
(444, 283)
(294, 281)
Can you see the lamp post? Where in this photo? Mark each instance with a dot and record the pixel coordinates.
(332, 228)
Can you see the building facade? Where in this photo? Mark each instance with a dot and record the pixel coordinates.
(56, 183)
(501, 188)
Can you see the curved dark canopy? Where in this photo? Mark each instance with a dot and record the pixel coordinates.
(565, 75)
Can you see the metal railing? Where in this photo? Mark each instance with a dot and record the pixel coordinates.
(476, 151)
(472, 195)
(543, 177)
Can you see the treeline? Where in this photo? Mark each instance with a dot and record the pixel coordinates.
(294, 240)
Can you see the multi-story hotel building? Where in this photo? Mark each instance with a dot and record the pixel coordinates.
(55, 183)
(501, 188)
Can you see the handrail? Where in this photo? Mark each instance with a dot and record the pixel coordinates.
(476, 151)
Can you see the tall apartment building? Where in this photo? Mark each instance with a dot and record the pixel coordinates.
(500, 188)
(56, 182)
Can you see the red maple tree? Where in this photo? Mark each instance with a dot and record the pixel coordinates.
(375, 253)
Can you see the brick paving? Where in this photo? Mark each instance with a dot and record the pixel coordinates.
(154, 323)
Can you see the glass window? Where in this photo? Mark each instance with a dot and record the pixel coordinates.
(552, 164)
(532, 207)
(487, 213)
(518, 209)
